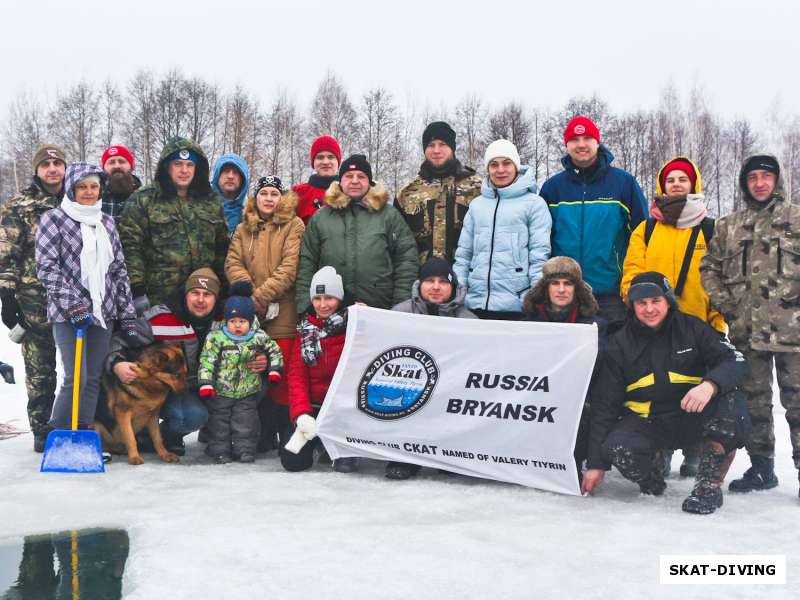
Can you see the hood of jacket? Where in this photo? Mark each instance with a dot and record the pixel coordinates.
(374, 200)
(458, 171)
(237, 161)
(525, 183)
(284, 213)
(200, 185)
(779, 193)
(698, 186)
(604, 160)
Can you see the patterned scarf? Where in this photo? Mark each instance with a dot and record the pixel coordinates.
(311, 334)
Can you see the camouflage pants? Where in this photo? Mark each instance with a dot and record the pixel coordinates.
(758, 389)
(39, 354)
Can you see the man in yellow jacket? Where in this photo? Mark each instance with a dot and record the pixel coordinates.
(673, 241)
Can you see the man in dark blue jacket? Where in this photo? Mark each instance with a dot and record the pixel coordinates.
(594, 207)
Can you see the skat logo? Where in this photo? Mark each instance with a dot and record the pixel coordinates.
(580, 129)
(203, 281)
(112, 151)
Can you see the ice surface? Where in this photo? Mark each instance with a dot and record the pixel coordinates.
(201, 531)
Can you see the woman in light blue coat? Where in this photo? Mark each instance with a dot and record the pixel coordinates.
(505, 239)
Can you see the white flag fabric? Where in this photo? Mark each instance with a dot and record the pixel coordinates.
(494, 399)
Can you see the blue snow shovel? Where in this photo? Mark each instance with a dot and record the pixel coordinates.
(74, 451)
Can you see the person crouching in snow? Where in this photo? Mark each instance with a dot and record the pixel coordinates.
(436, 293)
(668, 380)
(229, 387)
(315, 355)
(80, 263)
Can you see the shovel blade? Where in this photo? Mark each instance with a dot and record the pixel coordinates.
(69, 451)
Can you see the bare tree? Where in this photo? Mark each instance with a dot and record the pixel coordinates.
(511, 123)
(332, 113)
(111, 108)
(24, 132)
(378, 117)
(742, 141)
(470, 127)
(169, 109)
(73, 120)
(140, 132)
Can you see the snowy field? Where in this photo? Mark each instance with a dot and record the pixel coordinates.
(201, 531)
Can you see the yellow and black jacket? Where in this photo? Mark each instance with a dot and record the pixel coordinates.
(647, 373)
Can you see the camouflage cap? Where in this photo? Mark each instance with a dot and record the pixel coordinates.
(203, 278)
(46, 152)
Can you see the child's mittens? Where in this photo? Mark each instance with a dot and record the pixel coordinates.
(308, 425)
(274, 377)
(207, 391)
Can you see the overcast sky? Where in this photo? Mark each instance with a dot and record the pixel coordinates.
(745, 53)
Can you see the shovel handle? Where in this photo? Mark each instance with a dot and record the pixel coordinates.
(76, 379)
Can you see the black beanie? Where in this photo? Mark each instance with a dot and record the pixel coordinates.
(651, 284)
(439, 130)
(356, 162)
(437, 267)
(756, 162)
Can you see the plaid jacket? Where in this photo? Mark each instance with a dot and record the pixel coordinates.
(58, 261)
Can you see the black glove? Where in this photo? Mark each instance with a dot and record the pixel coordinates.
(81, 319)
(7, 372)
(11, 314)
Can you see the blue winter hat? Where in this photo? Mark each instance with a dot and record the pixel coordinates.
(240, 304)
(184, 155)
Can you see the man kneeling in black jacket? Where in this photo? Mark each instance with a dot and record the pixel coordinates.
(668, 380)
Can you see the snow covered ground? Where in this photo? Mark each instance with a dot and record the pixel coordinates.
(202, 531)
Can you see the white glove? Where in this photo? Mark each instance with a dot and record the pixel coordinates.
(272, 311)
(296, 442)
(307, 425)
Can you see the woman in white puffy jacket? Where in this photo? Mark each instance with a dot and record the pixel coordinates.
(505, 239)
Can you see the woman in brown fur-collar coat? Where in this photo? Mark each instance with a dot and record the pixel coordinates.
(265, 250)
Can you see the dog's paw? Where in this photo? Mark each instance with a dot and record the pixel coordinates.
(135, 460)
(170, 457)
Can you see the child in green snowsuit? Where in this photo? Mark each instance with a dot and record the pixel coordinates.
(230, 389)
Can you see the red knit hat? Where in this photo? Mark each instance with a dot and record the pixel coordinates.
(581, 125)
(326, 143)
(678, 165)
(117, 151)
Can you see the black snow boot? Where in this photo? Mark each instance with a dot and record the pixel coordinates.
(345, 465)
(706, 496)
(760, 476)
(173, 442)
(649, 476)
(399, 471)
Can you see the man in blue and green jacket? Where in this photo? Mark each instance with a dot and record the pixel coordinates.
(594, 207)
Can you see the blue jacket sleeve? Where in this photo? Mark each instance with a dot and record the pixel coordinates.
(464, 251)
(539, 225)
(637, 203)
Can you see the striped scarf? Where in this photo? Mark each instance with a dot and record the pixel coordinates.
(310, 335)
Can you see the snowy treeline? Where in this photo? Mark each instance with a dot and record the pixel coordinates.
(274, 134)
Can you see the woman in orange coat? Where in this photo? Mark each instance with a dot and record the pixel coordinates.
(265, 250)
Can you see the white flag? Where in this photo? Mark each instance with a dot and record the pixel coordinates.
(494, 399)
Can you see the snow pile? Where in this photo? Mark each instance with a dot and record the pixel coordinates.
(73, 451)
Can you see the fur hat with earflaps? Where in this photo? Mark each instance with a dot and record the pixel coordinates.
(562, 267)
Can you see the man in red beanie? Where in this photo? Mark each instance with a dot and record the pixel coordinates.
(325, 158)
(594, 207)
(118, 163)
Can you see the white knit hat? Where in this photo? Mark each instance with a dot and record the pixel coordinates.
(327, 282)
(501, 149)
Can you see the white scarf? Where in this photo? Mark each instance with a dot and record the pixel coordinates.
(96, 254)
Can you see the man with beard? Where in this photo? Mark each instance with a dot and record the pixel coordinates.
(435, 203)
(118, 162)
(23, 298)
(231, 180)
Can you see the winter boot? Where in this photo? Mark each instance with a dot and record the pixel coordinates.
(144, 442)
(706, 496)
(173, 442)
(246, 457)
(39, 442)
(650, 477)
(399, 471)
(691, 463)
(760, 476)
(345, 465)
(666, 468)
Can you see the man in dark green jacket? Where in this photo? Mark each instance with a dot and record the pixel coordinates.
(366, 241)
(173, 227)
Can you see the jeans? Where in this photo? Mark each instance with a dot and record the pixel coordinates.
(183, 413)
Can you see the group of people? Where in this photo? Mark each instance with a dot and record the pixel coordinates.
(254, 281)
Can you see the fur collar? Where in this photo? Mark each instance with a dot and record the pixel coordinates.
(587, 305)
(375, 200)
(283, 214)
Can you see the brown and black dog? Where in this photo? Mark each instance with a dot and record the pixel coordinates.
(136, 405)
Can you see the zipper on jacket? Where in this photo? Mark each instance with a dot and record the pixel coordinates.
(744, 258)
(583, 207)
(491, 251)
(780, 259)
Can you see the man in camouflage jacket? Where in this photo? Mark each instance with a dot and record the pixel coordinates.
(752, 275)
(173, 226)
(435, 202)
(23, 298)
